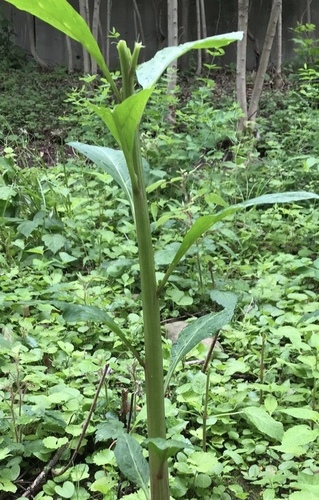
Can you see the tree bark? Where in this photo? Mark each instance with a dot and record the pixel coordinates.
(33, 49)
(70, 54)
(85, 14)
(260, 77)
(95, 30)
(108, 29)
(243, 7)
(172, 34)
(278, 77)
(199, 32)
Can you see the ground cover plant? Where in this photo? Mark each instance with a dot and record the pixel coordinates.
(230, 421)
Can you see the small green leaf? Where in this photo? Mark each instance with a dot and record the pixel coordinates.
(54, 242)
(195, 332)
(131, 462)
(264, 422)
(54, 443)
(66, 490)
(104, 457)
(149, 72)
(27, 227)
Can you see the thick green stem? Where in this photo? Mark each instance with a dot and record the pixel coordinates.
(152, 334)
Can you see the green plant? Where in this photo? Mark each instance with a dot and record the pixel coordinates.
(126, 167)
(306, 45)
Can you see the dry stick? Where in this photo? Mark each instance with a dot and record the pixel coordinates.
(139, 21)
(85, 425)
(50, 467)
(43, 474)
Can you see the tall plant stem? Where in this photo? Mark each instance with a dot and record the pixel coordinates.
(152, 333)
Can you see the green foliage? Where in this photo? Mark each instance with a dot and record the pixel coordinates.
(306, 45)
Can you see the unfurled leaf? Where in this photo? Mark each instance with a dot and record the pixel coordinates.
(104, 457)
(123, 121)
(54, 443)
(264, 422)
(131, 462)
(195, 332)
(149, 72)
(111, 161)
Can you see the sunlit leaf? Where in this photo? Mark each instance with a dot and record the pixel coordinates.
(166, 448)
(149, 72)
(264, 422)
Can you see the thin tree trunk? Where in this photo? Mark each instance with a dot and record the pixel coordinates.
(243, 6)
(95, 30)
(139, 22)
(85, 14)
(199, 32)
(172, 34)
(108, 29)
(309, 2)
(260, 77)
(278, 77)
(33, 49)
(203, 25)
(70, 53)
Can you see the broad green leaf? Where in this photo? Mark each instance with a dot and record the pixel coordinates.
(264, 422)
(77, 312)
(165, 448)
(309, 484)
(205, 462)
(111, 161)
(131, 462)
(27, 227)
(149, 72)
(302, 413)
(296, 439)
(54, 242)
(6, 192)
(204, 223)
(4, 453)
(307, 316)
(195, 332)
(124, 119)
(109, 430)
(62, 16)
(303, 494)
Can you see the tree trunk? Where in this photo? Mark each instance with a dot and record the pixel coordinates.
(139, 23)
(199, 32)
(203, 26)
(108, 29)
(70, 53)
(260, 77)
(172, 34)
(85, 14)
(33, 49)
(95, 30)
(243, 6)
(278, 77)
